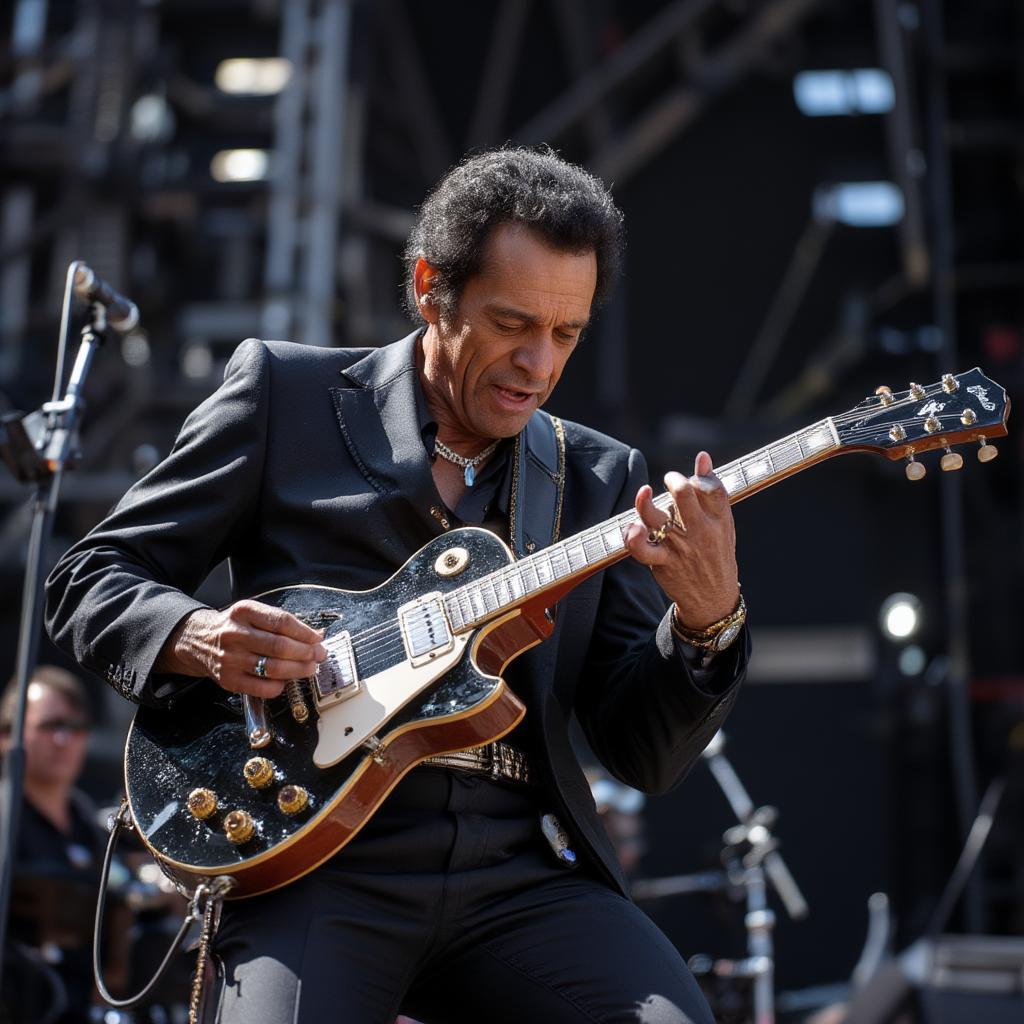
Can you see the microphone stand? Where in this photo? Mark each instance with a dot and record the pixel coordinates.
(752, 870)
(37, 448)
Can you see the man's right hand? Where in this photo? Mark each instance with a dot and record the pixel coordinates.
(226, 646)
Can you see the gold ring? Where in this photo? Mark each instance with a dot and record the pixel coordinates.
(655, 537)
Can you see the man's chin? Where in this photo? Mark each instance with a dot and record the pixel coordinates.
(506, 426)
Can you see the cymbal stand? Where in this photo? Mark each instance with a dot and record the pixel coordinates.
(752, 860)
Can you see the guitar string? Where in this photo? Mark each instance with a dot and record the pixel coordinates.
(379, 640)
(594, 535)
(371, 639)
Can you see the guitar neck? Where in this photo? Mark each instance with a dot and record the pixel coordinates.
(557, 568)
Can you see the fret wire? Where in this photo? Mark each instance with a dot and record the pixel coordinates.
(793, 444)
(572, 555)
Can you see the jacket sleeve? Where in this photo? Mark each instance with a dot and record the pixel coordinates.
(649, 703)
(116, 596)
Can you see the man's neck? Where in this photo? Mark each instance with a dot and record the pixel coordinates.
(450, 430)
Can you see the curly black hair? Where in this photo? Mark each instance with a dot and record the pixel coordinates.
(567, 206)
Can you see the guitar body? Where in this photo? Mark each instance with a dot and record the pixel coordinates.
(202, 740)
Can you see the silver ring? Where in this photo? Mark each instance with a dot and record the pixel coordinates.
(260, 671)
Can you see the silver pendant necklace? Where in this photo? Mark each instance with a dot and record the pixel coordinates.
(468, 465)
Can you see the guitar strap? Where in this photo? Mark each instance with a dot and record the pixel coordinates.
(538, 484)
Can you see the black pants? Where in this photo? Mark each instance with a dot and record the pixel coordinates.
(450, 906)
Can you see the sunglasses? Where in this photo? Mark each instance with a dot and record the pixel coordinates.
(55, 725)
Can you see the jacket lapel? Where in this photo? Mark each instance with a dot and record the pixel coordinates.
(376, 410)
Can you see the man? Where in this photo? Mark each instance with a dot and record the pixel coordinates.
(334, 466)
(60, 845)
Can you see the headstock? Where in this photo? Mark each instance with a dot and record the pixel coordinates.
(900, 425)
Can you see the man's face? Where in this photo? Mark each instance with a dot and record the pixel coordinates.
(518, 320)
(56, 737)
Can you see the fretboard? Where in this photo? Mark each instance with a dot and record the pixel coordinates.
(601, 545)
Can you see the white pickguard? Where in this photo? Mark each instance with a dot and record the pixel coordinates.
(380, 698)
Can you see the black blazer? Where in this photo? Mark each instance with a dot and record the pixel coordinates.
(307, 466)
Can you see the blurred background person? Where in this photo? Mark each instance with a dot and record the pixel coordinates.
(60, 846)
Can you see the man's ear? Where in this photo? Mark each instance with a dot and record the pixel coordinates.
(424, 276)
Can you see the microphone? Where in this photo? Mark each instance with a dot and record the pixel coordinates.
(122, 313)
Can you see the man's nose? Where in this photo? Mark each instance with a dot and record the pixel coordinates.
(536, 356)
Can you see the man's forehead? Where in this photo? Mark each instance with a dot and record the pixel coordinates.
(510, 241)
(517, 261)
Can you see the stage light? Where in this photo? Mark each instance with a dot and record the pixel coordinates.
(859, 204)
(152, 119)
(843, 93)
(912, 660)
(253, 76)
(240, 165)
(611, 795)
(135, 348)
(197, 360)
(900, 617)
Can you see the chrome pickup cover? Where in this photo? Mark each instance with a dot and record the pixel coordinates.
(336, 677)
(425, 629)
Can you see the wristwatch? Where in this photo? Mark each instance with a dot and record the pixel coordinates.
(716, 637)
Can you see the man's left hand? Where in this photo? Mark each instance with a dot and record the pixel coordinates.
(695, 562)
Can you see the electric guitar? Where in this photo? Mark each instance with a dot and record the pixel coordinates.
(263, 792)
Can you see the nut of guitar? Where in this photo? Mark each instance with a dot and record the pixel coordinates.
(258, 772)
(292, 799)
(202, 803)
(239, 827)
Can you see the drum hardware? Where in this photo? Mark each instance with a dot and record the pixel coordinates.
(752, 860)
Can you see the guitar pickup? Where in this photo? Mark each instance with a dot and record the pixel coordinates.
(425, 629)
(336, 678)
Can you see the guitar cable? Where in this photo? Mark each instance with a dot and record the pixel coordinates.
(201, 907)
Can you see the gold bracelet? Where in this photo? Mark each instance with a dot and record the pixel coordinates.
(716, 637)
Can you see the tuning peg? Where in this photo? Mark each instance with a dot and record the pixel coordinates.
(916, 391)
(949, 383)
(987, 452)
(951, 460)
(914, 470)
(885, 394)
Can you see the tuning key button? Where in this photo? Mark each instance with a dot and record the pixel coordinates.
(968, 416)
(202, 803)
(885, 394)
(292, 799)
(239, 827)
(897, 433)
(258, 772)
(916, 391)
(987, 452)
(951, 461)
(949, 383)
(932, 425)
(915, 470)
